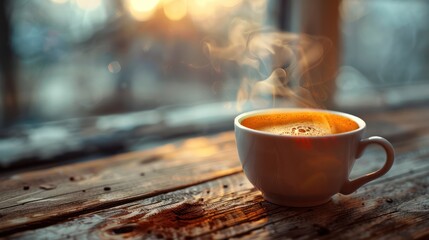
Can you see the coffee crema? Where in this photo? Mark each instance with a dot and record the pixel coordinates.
(300, 123)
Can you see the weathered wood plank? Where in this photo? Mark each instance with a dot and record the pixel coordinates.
(231, 207)
(86, 187)
(43, 197)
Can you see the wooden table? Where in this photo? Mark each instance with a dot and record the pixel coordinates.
(196, 189)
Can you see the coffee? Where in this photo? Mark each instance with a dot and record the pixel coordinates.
(300, 123)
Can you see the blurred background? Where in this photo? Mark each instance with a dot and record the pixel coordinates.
(89, 76)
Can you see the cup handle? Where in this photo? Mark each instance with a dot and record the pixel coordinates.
(351, 186)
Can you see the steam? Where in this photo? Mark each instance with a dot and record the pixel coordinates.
(275, 67)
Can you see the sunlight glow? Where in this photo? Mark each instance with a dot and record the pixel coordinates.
(175, 10)
(142, 10)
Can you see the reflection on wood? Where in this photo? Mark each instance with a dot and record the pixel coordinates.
(72, 138)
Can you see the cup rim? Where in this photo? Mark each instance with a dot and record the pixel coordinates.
(237, 121)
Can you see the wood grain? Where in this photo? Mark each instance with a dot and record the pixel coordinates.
(196, 189)
(56, 193)
(231, 207)
(394, 205)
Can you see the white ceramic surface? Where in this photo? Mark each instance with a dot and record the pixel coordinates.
(304, 171)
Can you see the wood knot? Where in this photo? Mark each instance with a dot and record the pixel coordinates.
(321, 230)
(123, 229)
(76, 178)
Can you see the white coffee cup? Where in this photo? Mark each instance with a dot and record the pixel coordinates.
(302, 171)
